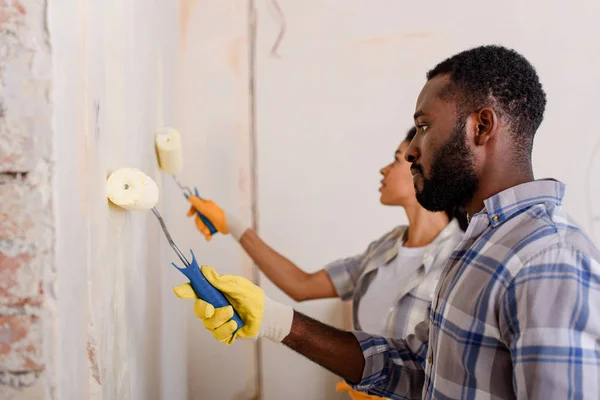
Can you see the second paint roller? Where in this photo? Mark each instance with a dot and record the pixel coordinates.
(131, 189)
(170, 159)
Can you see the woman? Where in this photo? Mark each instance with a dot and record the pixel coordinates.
(391, 283)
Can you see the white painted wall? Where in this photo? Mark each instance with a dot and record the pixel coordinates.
(109, 265)
(334, 106)
(212, 112)
(121, 70)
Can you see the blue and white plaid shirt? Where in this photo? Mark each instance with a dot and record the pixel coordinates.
(516, 313)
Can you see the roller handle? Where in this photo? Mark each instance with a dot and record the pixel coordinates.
(205, 290)
(206, 221)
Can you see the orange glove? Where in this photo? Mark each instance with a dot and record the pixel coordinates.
(223, 222)
(354, 395)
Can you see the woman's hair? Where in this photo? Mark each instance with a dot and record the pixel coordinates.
(454, 212)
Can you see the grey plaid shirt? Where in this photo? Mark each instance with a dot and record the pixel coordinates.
(352, 276)
(516, 313)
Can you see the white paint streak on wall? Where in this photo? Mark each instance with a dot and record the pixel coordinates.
(212, 116)
(122, 331)
(110, 261)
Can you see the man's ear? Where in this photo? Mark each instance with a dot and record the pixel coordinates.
(486, 125)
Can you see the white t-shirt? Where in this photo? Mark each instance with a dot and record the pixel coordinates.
(382, 294)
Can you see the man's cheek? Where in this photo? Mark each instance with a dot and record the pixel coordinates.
(426, 170)
(418, 182)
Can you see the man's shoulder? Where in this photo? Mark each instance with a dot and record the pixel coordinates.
(536, 232)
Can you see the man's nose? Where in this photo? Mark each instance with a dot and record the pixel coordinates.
(412, 153)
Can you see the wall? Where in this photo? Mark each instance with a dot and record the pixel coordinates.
(26, 218)
(86, 308)
(339, 98)
(211, 107)
(109, 262)
(123, 69)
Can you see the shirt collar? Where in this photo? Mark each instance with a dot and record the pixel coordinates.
(431, 250)
(512, 201)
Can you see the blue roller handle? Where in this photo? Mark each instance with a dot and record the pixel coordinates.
(205, 290)
(206, 221)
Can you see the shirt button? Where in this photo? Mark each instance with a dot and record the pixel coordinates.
(495, 218)
(430, 359)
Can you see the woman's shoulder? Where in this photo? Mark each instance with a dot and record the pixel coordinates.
(396, 233)
(391, 236)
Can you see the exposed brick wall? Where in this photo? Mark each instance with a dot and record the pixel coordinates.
(26, 224)
(19, 349)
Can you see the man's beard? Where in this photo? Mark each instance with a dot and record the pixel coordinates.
(453, 180)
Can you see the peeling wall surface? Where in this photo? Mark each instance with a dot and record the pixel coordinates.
(26, 217)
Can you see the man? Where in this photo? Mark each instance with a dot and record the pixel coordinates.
(515, 314)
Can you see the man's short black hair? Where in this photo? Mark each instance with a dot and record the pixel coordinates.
(500, 78)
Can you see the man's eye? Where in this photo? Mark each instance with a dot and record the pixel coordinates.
(423, 128)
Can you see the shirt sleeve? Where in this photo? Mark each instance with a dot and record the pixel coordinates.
(344, 273)
(550, 319)
(394, 368)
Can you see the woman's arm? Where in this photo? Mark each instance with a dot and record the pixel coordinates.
(295, 282)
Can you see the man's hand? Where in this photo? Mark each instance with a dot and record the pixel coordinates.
(224, 223)
(336, 350)
(262, 316)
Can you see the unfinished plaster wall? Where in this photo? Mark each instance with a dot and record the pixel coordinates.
(213, 111)
(86, 307)
(107, 102)
(26, 217)
(338, 99)
(123, 69)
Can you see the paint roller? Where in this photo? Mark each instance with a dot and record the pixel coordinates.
(169, 152)
(131, 189)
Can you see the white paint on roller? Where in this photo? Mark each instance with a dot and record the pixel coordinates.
(131, 189)
(168, 149)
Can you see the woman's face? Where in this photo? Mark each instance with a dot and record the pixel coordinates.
(397, 187)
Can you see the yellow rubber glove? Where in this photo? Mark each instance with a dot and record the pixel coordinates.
(354, 395)
(224, 223)
(262, 316)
